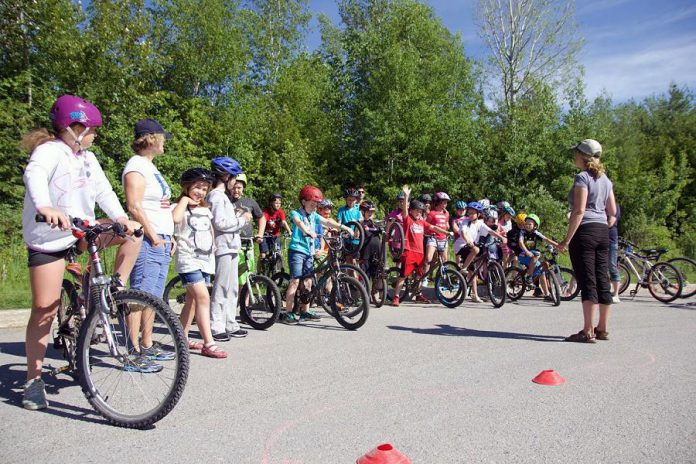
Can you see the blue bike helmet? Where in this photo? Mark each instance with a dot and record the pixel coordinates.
(224, 165)
(460, 204)
(476, 206)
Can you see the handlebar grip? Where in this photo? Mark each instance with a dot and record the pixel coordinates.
(40, 218)
(138, 232)
(118, 229)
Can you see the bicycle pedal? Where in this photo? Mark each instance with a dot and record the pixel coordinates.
(60, 370)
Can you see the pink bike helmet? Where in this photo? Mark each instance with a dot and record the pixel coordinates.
(69, 109)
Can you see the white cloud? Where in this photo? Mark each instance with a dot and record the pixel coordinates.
(637, 74)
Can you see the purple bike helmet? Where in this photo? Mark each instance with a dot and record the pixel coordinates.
(69, 109)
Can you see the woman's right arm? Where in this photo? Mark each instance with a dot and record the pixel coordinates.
(134, 185)
(611, 209)
(576, 215)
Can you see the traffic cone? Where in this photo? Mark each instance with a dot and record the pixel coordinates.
(384, 454)
(549, 377)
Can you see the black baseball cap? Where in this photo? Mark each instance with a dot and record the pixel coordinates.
(150, 126)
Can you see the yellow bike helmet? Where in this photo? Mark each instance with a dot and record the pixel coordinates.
(519, 219)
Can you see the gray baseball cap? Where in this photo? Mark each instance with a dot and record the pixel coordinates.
(589, 147)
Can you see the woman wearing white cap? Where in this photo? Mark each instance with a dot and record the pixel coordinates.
(593, 211)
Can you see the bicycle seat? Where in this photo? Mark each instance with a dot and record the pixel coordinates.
(655, 251)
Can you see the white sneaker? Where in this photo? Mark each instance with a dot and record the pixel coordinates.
(615, 299)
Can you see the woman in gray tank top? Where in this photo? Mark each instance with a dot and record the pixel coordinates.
(593, 211)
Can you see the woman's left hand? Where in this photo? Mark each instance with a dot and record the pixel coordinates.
(562, 246)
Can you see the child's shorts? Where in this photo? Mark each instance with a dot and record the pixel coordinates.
(411, 261)
(525, 260)
(300, 264)
(441, 245)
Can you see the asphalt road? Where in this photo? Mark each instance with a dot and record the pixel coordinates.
(442, 385)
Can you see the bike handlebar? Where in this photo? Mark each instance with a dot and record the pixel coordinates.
(82, 225)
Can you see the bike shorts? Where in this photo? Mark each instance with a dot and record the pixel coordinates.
(441, 245)
(269, 244)
(39, 258)
(525, 260)
(411, 261)
(194, 277)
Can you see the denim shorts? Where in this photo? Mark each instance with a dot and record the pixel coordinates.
(525, 260)
(194, 277)
(149, 273)
(441, 245)
(300, 264)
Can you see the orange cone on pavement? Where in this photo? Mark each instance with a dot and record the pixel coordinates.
(384, 454)
(549, 377)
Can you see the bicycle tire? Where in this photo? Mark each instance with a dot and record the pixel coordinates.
(67, 307)
(351, 307)
(450, 288)
(353, 245)
(264, 302)
(395, 240)
(93, 355)
(175, 295)
(360, 275)
(379, 292)
(496, 284)
(568, 283)
(554, 288)
(514, 283)
(666, 277)
(625, 275)
(687, 269)
(393, 274)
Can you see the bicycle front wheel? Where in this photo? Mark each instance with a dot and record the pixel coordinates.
(625, 278)
(514, 278)
(664, 282)
(378, 291)
(554, 288)
(568, 283)
(175, 294)
(260, 302)
(496, 284)
(349, 301)
(127, 388)
(450, 288)
(687, 270)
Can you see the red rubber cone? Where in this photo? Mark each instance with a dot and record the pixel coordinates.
(384, 454)
(549, 377)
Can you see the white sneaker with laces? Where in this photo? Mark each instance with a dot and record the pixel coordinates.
(615, 299)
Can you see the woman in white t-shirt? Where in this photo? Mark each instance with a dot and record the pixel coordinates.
(148, 200)
(62, 178)
(195, 255)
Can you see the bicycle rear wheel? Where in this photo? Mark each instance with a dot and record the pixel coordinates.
(554, 288)
(117, 385)
(395, 240)
(393, 274)
(68, 326)
(358, 274)
(625, 278)
(354, 245)
(664, 282)
(349, 301)
(260, 302)
(450, 288)
(687, 269)
(175, 295)
(514, 278)
(569, 285)
(496, 284)
(378, 291)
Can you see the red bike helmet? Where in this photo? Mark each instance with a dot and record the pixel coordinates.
(311, 193)
(69, 109)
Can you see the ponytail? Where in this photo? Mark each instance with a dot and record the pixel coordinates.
(36, 137)
(595, 166)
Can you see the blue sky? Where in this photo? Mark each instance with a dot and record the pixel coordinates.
(633, 48)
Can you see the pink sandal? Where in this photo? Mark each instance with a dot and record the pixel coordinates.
(213, 351)
(197, 346)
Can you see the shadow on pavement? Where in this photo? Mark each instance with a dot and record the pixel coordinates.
(17, 349)
(13, 378)
(452, 331)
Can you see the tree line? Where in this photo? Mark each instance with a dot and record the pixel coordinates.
(389, 97)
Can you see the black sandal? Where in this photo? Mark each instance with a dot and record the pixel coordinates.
(580, 337)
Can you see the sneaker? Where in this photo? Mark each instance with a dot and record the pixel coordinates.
(239, 333)
(309, 316)
(395, 301)
(137, 362)
(528, 280)
(288, 318)
(615, 300)
(422, 299)
(156, 353)
(35, 395)
(221, 337)
(549, 298)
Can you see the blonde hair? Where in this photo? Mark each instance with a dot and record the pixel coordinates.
(592, 164)
(146, 141)
(36, 137)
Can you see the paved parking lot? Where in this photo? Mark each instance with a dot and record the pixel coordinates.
(442, 385)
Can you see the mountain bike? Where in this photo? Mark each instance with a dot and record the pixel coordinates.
(345, 298)
(272, 263)
(450, 284)
(376, 265)
(260, 300)
(517, 285)
(565, 276)
(490, 272)
(663, 280)
(93, 335)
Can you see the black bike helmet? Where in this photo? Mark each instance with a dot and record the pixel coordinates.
(274, 196)
(415, 204)
(367, 205)
(425, 198)
(351, 192)
(195, 175)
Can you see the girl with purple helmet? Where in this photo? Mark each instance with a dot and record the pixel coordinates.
(62, 179)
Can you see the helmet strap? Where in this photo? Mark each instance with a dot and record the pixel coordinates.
(77, 138)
